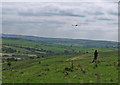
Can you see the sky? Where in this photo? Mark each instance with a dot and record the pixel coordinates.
(97, 20)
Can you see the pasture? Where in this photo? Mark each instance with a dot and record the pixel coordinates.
(55, 63)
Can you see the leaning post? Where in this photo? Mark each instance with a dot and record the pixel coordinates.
(72, 64)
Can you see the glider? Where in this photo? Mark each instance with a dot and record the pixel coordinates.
(76, 25)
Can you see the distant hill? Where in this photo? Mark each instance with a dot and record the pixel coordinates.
(66, 41)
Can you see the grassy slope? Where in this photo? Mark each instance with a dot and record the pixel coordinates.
(66, 41)
(53, 47)
(52, 70)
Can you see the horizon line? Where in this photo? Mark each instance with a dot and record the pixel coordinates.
(59, 37)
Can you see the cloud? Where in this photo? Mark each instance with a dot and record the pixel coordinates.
(32, 22)
(114, 13)
(104, 19)
(61, 13)
(98, 20)
(50, 11)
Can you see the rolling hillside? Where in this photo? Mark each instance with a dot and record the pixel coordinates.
(33, 61)
(66, 41)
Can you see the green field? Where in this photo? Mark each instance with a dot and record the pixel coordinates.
(52, 63)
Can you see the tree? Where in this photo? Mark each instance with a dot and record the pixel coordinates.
(66, 52)
(9, 64)
(39, 62)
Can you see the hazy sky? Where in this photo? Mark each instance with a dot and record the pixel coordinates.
(98, 20)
